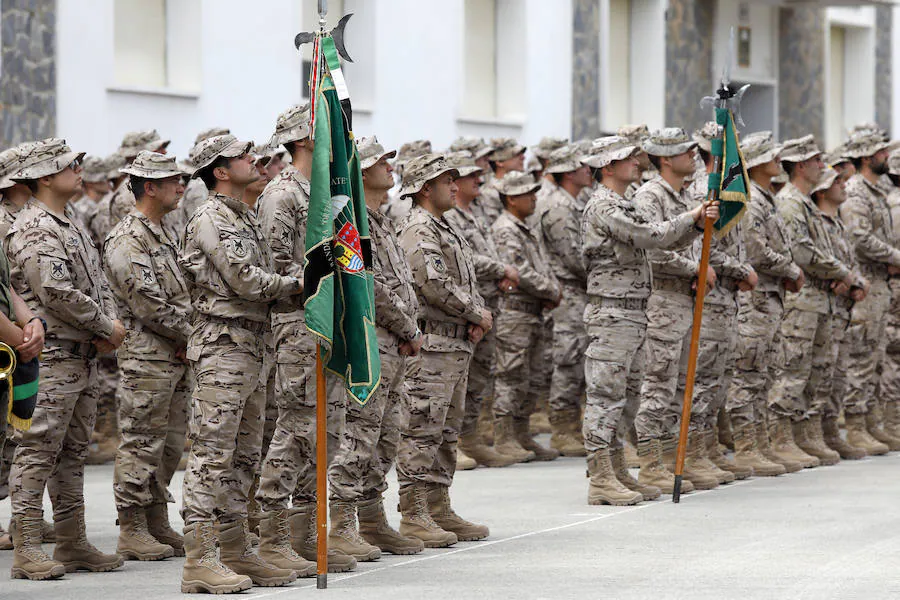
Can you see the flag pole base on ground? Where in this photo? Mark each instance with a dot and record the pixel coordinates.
(321, 582)
(676, 491)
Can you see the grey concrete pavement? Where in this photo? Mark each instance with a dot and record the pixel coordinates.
(826, 533)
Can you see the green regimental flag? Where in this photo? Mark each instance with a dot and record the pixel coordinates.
(338, 285)
(731, 183)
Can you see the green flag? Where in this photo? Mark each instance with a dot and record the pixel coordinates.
(337, 276)
(731, 183)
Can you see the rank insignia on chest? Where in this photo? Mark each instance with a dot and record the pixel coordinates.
(57, 270)
(72, 242)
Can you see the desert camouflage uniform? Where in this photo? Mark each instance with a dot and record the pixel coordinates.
(99, 225)
(807, 324)
(890, 371)
(195, 194)
(228, 266)
(436, 379)
(869, 224)
(141, 263)
(488, 270)
(617, 235)
(559, 225)
(372, 433)
(8, 214)
(760, 313)
(521, 339)
(669, 315)
(57, 270)
(488, 205)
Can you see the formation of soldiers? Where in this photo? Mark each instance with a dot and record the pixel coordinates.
(504, 291)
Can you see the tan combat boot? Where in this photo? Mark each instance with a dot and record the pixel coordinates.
(48, 532)
(807, 433)
(344, 536)
(724, 429)
(784, 445)
(416, 520)
(5, 539)
(507, 443)
(765, 448)
(203, 572)
(159, 527)
(858, 435)
(464, 462)
(75, 551)
(604, 486)
(722, 462)
(237, 554)
(302, 518)
(833, 439)
(696, 466)
(135, 541)
(620, 468)
(485, 427)
(540, 420)
(275, 544)
(747, 454)
(29, 560)
(873, 425)
(447, 519)
(654, 473)
(482, 454)
(722, 475)
(525, 439)
(566, 426)
(891, 421)
(374, 527)
(631, 456)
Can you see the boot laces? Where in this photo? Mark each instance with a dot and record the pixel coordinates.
(82, 535)
(31, 535)
(312, 537)
(348, 527)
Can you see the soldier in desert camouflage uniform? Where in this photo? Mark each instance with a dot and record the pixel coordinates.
(122, 201)
(195, 192)
(890, 371)
(542, 153)
(399, 206)
(95, 186)
(506, 156)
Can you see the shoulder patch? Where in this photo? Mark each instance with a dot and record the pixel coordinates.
(438, 263)
(58, 270)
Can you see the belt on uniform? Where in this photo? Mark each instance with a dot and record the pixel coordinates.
(83, 349)
(728, 283)
(819, 284)
(452, 330)
(878, 270)
(251, 326)
(527, 306)
(682, 286)
(621, 303)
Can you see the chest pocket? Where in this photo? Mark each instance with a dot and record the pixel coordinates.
(457, 266)
(239, 245)
(83, 263)
(165, 267)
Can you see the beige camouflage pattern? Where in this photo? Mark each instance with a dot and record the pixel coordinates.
(890, 368)
(835, 390)
(8, 214)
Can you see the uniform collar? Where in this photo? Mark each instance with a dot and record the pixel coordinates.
(517, 221)
(293, 173)
(155, 229)
(235, 205)
(62, 219)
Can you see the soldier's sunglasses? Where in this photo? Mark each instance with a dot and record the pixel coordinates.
(74, 165)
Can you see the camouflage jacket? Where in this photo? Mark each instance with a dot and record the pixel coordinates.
(56, 269)
(840, 241)
(99, 224)
(768, 242)
(195, 194)
(518, 245)
(8, 213)
(868, 219)
(141, 264)
(489, 204)
(120, 203)
(488, 268)
(559, 225)
(660, 202)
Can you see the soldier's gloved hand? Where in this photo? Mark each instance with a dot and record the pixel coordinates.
(507, 285)
(512, 274)
(841, 288)
(118, 335)
(749, 284)
(487, 321)
(415, 344)
(103, 346)
(476, 333)
(858, 294)
(181, 354)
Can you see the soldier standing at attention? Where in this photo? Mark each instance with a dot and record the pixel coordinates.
(141, 263)
(55, 265)
(453, 319)
(507, 155)
(229, 270)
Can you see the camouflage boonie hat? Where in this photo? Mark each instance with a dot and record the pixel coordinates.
(207, 151)
(608, 150)
(292, 125)
(670, 141)
(634, 134)
(865, 143)
(533, 165)
(547, 145)
(826, 179)
(516, 183)
(894, 163)
(9, 164)
(152, 165)
(93, 169)
(868, 126)
(370, 152)
(411, 150)
(505, 149)
(759, 148)
(800, 149)
(463, 162)
(706, 134)
(564, 160)
(211, 132)
(135, 141)
(114, 162)
(422, 169)
(476, 146)
(43, 158)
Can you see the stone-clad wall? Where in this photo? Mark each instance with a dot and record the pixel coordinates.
(883, 69)
(28, 79)
(689, 28)
(801, 74)
(585, 69)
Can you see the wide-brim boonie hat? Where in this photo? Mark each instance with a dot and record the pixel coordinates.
(207, 151)
(670, 141)
(607, 150)
(422, 169)
(152, 165)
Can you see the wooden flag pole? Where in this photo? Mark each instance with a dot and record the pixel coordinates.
(321, 474)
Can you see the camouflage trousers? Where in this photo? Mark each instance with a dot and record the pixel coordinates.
(289, 467)
(436, 385)
(371, 436)
(570, 340)
(840, 350)
(271, 412)
(715, 358)
(614, 367)
(153, 399)
(226, 428)
(803, 381)
(521, 364)
(670, 317)
(867, 339)
(481, 378)
(757, 351)
(7, 452)
(890, 371)
(108, 385)
(51, 454)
